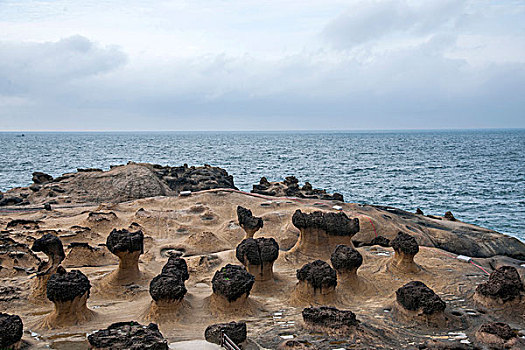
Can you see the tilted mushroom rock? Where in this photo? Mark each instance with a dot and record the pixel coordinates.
(416, 302)
(258, 256)
(346, 260)
(248, 222)
(290, 188)
(69, 292)
(498, 336)
(405, 248)
(128, 246)
(330, 320)
(504, 287)
(322, 231)
(231, 287)
(51, 246)
(317, 282)
(128, 336)
(176, 266)
(11, 331)
(236, 331)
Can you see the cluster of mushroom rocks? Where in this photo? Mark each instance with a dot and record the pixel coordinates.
(405, 248)
(236, 331)
(11, 331)
(249, 223)
(330, 320)
(168, 289)
(127, 246)
(503, 287)
(52, 247)
(258, 256)
(232, 283)
(128, 335)
(417, 302)
(290, 188)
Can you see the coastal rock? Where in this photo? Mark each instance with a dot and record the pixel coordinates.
(318, 275)
(232, 282)
(335, 224)
(380, 241)
(290, 188)
(23, 224)
(177, 267)
(65, 286)
(498, 335)
(504, 285)
(346, 259)
(125, 241)
(40, 178)
(16, 257)
(236, 331)
(11, 330)
(248, 222)
(294, 344)
(330, 320)
(416, 296)
(51, 246)
(167, 287)
(10, 200)
(449, 216)
(405, 248)
(128, 336)
(258, 256)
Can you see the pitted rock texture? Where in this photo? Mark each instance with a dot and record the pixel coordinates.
(405, 243)
(232, 281)
(502, 330)
(167, 287)
(125, 241)
(247, 221)
(257, 251)
(330, 317)
(11, 330)
(346, 258)
(236, 331)
(318, 274)
(504, 283)
(66, 286)
(336, 224)
(290, 188)
(129, 335)
(23, 224)
(416, 295)
(176, 267)
(50, 245)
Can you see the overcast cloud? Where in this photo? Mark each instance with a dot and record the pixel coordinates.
(239, 65)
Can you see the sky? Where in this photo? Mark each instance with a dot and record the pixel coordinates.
(261, 65)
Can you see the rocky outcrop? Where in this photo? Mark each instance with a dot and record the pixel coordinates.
(258, 256)
(128, 336)
(51, 246)
(236, 331)
(322, 232)
(317, 282)
(330, 320)
(416, 302)
(249, 223)
(232, 282)
(504, 287)
(405, 248)
(11, 331)
(40, 178)
(346, 260)
(69, 292)
(290, 188)
(498, 335)
(16, 258)
(127, 246)
(176, 266)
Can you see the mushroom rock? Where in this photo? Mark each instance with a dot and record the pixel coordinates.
(504, 288)
(176, 266)
(127, 246)
(231, 287)
(321, 232)
(416, 302)
(258, 256)
(405, 248)
(236, 331)
(11, 331)
(69, 292)
(248, 222)
(317, 282)
(128, 336)
(346, 260)
(51, 246)
(330, 320)
(449, 216)
(499, 336)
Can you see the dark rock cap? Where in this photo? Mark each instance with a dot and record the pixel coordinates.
(41, 178)
(416, 295)
(257, 251)
(335, 224)
(449, 216)
(319, 274)
(247, 220)
(502, 330)
(329, 317)
(129, 335)
(419, 211)
(346, 258)
(236, 331)
(50, 245)
(177, 267)
(167, 287)
(405, 243)
(380, 241)
(504, 283)
(11, 330)
(66, 286)
(232, 281)
(125, 241)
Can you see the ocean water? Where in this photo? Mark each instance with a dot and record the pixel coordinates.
(478, 175)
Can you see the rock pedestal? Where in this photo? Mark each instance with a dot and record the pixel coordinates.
(346, 260)
(416, 303)
(504, 289)
(405, 248)
(11, 331)
(258, 256)
(330, 320)
(499, 335)
(249, 223)
(127, 246)
(51, 246)
(317, 282)
(322, 232)
(231, 287)
(128, 335)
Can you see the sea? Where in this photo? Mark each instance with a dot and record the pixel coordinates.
(479, 175)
